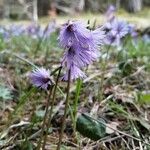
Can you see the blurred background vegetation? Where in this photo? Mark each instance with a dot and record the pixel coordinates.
(32, 9)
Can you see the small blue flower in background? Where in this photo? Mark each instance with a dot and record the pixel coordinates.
(41, 78)
(119, 28)
(35, 31)
(16, 30)
(116, 30)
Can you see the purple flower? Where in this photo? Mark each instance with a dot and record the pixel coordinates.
(75, 73)
(34, 30)
(79, 56)
(116, 30)
(76, 33)
(73, 32)
(41, 78)
(119, 28)
(16, 30)
(110, 12)
(110, 9)
(81, 46)
(50, 28)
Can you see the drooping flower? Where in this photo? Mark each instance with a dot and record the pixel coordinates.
(81, 46)
(73, 32)
(41, 78)
(76, 33)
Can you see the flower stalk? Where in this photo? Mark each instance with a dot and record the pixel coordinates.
(45, 116)
(51, 110)
(65, 111)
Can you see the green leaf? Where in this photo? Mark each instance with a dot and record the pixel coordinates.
(126, 68)
(91, 128)
(26, 145)
(144, 98)
(5, 93)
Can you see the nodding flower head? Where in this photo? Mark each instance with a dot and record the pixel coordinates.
(81, 46)
(41, 78)
(73, 32)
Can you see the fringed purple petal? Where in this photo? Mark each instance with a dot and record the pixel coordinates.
(75, 74)
(41, 78)
(81, 46)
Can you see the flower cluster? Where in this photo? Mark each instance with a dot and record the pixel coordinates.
(81, 47)
(117, 29)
